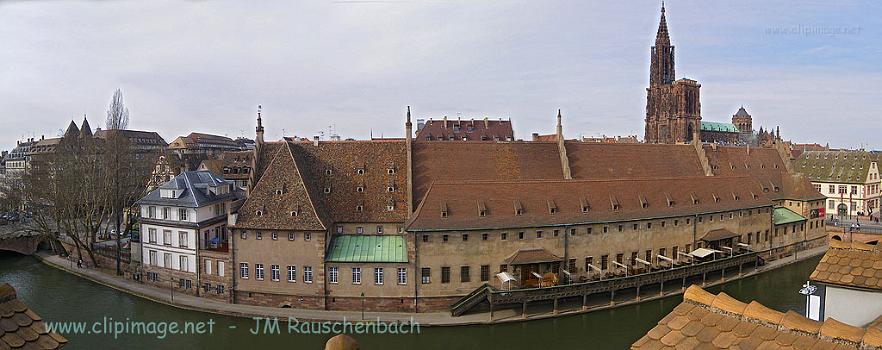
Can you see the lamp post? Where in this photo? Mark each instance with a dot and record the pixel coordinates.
(808, 290)
(362, 306)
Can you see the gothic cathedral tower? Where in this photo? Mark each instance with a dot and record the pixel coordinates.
(673, 108)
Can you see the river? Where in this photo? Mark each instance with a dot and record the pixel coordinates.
(58, 296)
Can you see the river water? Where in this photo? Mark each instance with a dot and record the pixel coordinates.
(58, 296)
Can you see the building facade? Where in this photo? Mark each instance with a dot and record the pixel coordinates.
(849, 179)
(185, 241)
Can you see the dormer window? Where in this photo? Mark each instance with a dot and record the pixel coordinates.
(519, 209)
(359, 208)
(444, 209)
(482, 213)
(359, 189)
(482, 209)
(259, 213)
(329, 172)
(552, 207)
(390, 207)
(716, 199)
(327, 190)
(295, 213)
(391, 171)
(390, 189)
(359, 171)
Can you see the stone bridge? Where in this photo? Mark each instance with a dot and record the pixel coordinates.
(16, 238)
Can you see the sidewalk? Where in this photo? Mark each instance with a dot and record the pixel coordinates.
(194, 303)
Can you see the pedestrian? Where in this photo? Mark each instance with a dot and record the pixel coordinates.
(80, 263)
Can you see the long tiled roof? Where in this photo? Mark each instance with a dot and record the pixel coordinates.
(361, 174)
(707, 321)
(435, 161)
(836, 166)
(592, 161)
(368, 249)
(21, 328)
(855, 265)
(488, 205)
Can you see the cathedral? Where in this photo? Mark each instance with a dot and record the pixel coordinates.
(673, 106)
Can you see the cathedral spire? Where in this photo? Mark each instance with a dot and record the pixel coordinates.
(662, 55)
(661, 37)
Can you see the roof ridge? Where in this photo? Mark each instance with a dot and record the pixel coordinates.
(642, 179)
(789, 321)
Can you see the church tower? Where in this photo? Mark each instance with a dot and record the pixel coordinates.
(673, 107)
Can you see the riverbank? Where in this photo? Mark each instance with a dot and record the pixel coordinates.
(193, 303)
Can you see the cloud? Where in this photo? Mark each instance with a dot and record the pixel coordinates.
(354, 65)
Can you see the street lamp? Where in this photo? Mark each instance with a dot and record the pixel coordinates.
(808, 290)
(362, 306)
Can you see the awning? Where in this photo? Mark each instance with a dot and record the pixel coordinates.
(505, 277)
(531, 256)
(718, 234)
(704, 252)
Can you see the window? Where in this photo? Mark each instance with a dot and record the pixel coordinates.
(339, 229)
(538, 234)
(207, 266)
(359, 230)
(220, 268)
(588, 262)
(485, 273)
(359, 171)
(379, 229)
(182, 239)
(483, 236)
(831, 189)
(425, 238)
(378, 275)
(307, 236)
(220, 289)
(151, 235)
(258, 271)
(243, 234)
(425, 274)
(356, 275)
(275, 236)
(167, 260)
(307, 274)
(444, 238)
(259, 235)
(151, 212)
(465, 237)
(243, 270)
(464, 275)
(290, 236)
(445, 274)
(152, 257)
(604, 262)
(182, 214)
(571, 266)
(166, 237)
(402, 275)
(332, 274)
(292, 274)
(520, 235)
(274, 272)
(503, 236)
(166, 213)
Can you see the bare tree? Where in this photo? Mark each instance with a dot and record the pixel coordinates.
(117, 113)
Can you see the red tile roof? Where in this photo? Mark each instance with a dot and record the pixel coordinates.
(20, 327)
(457, 205)
(632, 161)
(472, 130)
(854, 265)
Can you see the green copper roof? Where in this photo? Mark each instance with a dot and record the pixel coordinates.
(722, 127)
(784, 216)
(850, 167)
(368, 248)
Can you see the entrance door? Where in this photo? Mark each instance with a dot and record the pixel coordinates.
(842, 209)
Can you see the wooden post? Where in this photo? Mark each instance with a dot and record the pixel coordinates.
(524, 312)
(661, 290)
(612, 297)
(682, 288)
(555, 307)
(739, 269)
(584, 301)
(638, 293)
(703, 278)
(490, 301)
(723, 271)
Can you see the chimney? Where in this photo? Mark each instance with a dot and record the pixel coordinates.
(43, 137)
(315, 140)
(445, 122)
(535, 136)
(486, 123)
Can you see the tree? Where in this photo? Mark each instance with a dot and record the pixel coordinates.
(117, 113)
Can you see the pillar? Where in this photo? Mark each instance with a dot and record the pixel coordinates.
(524, 311)
(555, 311)
(612, 297)
(584, 301)
(661, 289)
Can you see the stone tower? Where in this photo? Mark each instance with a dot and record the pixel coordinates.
(743, 121)
(673, 107)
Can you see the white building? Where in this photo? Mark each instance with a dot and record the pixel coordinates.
(849, 284)
(849, 179)
(181, 219)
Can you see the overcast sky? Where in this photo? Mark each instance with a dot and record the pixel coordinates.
(812, 67)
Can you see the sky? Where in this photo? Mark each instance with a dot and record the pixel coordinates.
(351, 67)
